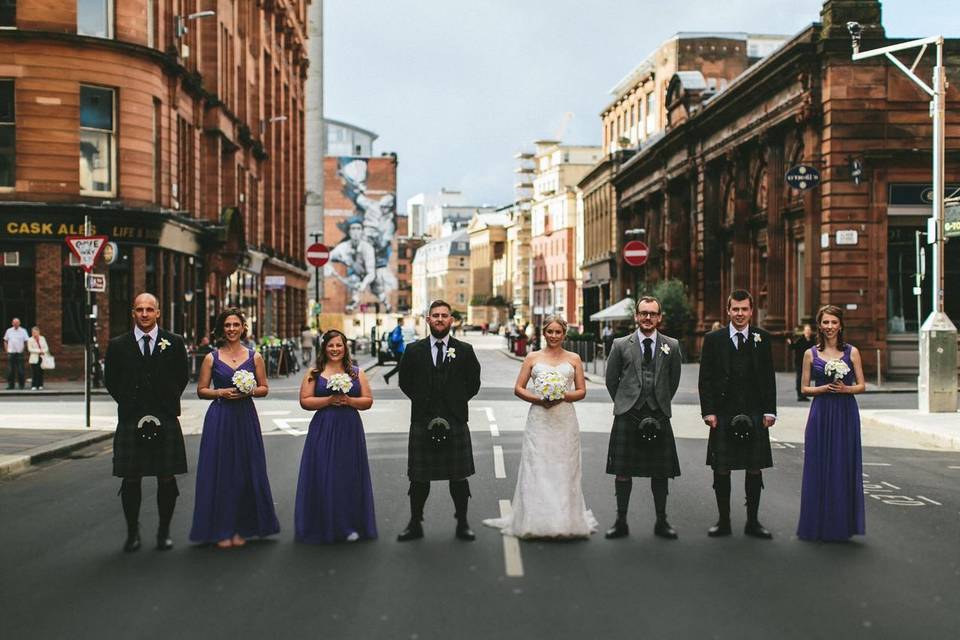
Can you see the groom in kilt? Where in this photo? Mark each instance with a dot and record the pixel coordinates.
(738, 401)
(643, 374)
(146, 373)
(439, 374)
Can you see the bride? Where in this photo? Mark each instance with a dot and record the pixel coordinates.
(548, 501)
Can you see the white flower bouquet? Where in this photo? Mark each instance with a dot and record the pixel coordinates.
(340, 383)
(550, 386)
(244, 381)
(837, 369)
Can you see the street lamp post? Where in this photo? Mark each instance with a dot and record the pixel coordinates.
(938, 336)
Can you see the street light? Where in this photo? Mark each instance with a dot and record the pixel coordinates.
(264, 123)
(938, 336)
(180, 22)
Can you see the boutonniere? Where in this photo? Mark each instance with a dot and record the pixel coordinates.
(757, 338)
(164, 343)
(451, 353)
(665, 348)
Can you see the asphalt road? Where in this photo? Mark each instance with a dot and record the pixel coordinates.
(62, 573)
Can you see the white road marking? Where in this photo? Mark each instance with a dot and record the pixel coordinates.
(513, 563)
(939, 504)
(876, 464)
(489, 412)
(494, 430)
(892, 486)
(274, 413)
(499, 471)
(786, 444)
(953, 467)
(284, 425)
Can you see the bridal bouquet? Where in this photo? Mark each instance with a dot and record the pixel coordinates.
(244, 381)
(550, 386)
(340, 383)
(837, 369)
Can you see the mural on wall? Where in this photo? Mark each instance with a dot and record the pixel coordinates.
(365, 248)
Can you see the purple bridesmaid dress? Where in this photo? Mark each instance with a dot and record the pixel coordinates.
(233, 491)
(334, 492)
(831, 501)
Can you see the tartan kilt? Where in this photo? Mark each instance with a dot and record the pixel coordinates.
(135, 457)
(723, 452)
(452, 460)
(629, 455)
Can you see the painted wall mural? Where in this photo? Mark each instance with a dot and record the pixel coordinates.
(361, 258)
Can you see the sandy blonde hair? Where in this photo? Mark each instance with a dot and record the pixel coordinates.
(554, 319)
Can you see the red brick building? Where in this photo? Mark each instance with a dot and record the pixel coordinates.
(184, 148)
(718, 215)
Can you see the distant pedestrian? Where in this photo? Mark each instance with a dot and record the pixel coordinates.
(607, 336)
(831, 500)
(307, 340)
(800, 345)
(15, 343)
(397, 347)
(146, 373)
(37, 345)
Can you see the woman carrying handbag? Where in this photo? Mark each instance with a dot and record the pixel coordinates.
(40, 358)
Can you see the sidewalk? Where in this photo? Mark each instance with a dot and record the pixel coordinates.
(941, 428)
(21, 448)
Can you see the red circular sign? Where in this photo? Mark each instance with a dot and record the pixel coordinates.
(318, 254)
(635, 253)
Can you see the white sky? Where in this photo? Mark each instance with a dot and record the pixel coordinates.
(456, 87)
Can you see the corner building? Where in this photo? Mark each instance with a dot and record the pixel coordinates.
(184, 148)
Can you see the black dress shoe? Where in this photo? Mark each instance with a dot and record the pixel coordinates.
(722, 528)
(464, 532)
(132, 543)
(663, 529)
(618, 530)
(757, 530)
(414, 531)
(164, 543)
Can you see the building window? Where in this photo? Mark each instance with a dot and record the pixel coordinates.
(8, 14)
(7, 134)
(651, 112)
(97, 141)
(95, 18)
(151, 23)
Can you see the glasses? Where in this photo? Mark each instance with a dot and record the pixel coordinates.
(648, 314)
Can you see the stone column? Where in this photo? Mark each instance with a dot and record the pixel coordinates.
(776, 238)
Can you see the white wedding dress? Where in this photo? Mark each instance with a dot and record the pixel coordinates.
(548, 501)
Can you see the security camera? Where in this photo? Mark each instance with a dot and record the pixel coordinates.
(856, 32)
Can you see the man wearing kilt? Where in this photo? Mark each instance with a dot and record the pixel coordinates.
(440, 375)
(738, 401)
(643, 373)
(146, 372)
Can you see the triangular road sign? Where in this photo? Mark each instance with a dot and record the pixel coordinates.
(87, 249)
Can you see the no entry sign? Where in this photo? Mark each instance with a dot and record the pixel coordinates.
(318, 254)
(635, 253)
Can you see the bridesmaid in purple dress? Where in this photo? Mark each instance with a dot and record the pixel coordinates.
(831, 501)
(334, 493)
(233, 499)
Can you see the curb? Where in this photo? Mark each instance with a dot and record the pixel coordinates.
(13, 464)
(945, 440)
(53, 392)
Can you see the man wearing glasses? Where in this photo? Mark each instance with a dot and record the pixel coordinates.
(643, 374)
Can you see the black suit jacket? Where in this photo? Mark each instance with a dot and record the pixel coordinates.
(715, 370)
(460, 379)
(142, 385)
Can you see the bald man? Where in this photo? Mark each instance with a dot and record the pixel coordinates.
(146, 373)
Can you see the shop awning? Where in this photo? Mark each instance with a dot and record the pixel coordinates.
(622, 310)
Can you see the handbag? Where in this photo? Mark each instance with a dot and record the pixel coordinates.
(47, 362)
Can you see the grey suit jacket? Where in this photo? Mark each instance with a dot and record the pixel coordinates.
(625, 379)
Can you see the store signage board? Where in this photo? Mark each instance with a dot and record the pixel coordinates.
(847, 237)
(802, 177)
(951, 219)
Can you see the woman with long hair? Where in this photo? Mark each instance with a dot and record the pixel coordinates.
(334, 492)
(831, 501)
(233, 498)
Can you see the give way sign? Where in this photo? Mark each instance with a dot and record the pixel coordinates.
(87, 249)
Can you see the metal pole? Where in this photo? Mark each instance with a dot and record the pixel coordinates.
(938, 113)
(88, 324)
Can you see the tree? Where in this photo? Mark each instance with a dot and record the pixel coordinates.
(678, 318)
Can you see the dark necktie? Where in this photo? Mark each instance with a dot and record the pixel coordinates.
(647, 350)
(740, 341)
(439, 360)
(146, 344)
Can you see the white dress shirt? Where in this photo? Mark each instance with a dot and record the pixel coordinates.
(153, 333)
(641, 336)
(433, 347)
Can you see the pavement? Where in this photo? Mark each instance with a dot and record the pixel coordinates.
(63, 574)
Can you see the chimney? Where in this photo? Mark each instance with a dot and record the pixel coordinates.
(837, 13)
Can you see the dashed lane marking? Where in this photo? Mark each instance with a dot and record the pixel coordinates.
(892, 486)
(939, 504)
(274, 413)
(489, 412)
(499, 471)
(284, 425)
(494, 430)
(512, 561)
(876, 464)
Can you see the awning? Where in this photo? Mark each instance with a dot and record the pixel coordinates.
(622, 310)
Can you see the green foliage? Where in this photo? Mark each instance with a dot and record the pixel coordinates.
(576, 336)
(678, 318)
(496, 301)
